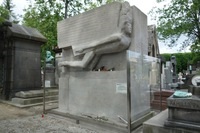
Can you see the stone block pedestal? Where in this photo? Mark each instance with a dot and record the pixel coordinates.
(184, 113)
(50, 77)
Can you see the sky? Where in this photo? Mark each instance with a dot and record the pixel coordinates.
(144, 5)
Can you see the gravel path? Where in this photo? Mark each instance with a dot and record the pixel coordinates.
(31, 120)
(39, 124)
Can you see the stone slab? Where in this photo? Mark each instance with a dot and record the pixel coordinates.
(139, 42)
(192, 103)
(184, 125)
(184, 111)
(33, 100)
(28, 105)
(36, 93)
(156, 125)
(111, 126)
(93, 93)
(89, 26)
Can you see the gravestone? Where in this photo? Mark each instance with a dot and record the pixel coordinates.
(169, 76)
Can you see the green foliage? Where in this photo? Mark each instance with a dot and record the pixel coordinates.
(44, 15)
(195, 59)
(179, 18)
(3, 14)
(8, 5)
(183, 60)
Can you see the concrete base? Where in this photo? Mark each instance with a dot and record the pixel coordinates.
(36, 93)
(109, 125)
(156, 125)
(23, 101)
(28, 105)
(34, 97)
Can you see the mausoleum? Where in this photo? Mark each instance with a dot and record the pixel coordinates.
(20, 65)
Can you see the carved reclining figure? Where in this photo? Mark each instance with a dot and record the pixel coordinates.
(113, 43)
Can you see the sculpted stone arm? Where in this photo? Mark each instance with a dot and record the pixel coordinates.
(78, 50)
(80, 64)
(112, 44)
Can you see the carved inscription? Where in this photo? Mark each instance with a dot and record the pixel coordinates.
(89, 26)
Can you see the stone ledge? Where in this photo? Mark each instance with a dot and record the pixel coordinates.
(36, 93)
(22, 101)
(156, 125)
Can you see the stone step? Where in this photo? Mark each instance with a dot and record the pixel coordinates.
(36, 93)
(23, 101)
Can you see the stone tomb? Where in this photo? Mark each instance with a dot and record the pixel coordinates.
(184, 112)
(92, 40)
(182, 115)
(20, 57)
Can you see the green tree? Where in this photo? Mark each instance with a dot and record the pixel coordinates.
(179, 18)
(44, 15)
(3, 14)
(93, 4)
(183, 60)
(8, 5)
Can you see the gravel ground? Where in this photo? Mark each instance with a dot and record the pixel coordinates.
(39, 124)
(31, 120)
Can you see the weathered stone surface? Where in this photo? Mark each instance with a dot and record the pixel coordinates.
(184, 113)
(25, 32)
(89, 26)
(82, 91)
(139, 42)
(186, 103)
(156, 125)
(112, 36)
(36, 93)
(194, 90)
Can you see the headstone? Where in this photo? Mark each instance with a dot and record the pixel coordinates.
(169, 76)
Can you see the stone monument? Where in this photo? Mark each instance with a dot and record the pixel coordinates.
(184, 109)
(169, 76)
(182, 115)
(94, 40)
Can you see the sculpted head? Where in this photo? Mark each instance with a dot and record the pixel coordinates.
(127, 28)
(126, 19)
